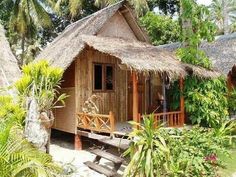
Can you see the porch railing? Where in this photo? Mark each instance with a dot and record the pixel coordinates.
(169, 119)
(96, 122)
(106, 123)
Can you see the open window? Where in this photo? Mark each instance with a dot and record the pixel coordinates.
(103, 77)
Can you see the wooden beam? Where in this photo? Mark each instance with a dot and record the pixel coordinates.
(181, 85)
(135, 97)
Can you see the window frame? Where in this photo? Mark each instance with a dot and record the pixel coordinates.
(104, 69)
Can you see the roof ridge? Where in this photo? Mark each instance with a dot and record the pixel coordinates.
(95, 13)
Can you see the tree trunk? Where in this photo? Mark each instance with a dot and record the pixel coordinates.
(38, 126)
(225, 16)
(23, 50)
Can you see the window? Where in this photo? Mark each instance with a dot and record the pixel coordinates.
(98, 77)
(103, 77)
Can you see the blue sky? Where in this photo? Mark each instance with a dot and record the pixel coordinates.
(205, 2)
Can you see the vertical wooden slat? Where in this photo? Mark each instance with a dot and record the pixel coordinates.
(171, 120)
(181, 84)
(135, 96)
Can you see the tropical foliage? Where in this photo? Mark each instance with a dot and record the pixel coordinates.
(199, 93)
(25, 19)
(175, 152)
(40, 81)
(223, 14)
(17, 156)
(232, 101)
(161, 29)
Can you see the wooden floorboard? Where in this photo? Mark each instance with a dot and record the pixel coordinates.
(115, 142)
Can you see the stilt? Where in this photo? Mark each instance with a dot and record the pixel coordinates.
(78, 142)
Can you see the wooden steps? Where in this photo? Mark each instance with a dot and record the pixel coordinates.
(116, 160)
(100, 169)
(107, 155)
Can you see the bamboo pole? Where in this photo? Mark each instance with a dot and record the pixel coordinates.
(135, 97)
(181, 85)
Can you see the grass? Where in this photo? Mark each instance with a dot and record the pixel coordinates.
(230, 162)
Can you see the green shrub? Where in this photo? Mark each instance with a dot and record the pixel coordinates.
(177, 152)
(147, 146)
(40, 81)
(17, 156)
(205, 100)
(232, 101)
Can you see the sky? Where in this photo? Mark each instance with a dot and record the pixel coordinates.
(205, 2)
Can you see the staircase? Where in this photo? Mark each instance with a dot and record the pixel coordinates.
(117, 162)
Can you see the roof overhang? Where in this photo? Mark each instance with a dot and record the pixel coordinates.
(145, 58)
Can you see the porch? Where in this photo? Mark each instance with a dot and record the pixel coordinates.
(101, 123)
(107, 123)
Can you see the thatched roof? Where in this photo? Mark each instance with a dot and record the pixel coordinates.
(9, 70)
(222, 52)
(138, 56)
(144, 57)
(62, 51)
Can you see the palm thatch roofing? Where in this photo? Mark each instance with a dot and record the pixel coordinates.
(9, 70)
(222, 52)
(138, 56)
(143, 57)
(62, 51)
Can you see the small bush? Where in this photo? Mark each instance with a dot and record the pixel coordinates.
(177, 152)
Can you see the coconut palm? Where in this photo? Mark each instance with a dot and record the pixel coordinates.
(26, 17)
(76, 5)
(223, 14)
(140, 5)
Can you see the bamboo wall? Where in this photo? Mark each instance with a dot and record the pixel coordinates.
(115, 101)
(65, 117)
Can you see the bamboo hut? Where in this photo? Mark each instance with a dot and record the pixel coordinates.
(9, 70)
(110, 64)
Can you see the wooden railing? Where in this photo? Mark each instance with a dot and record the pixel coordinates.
(96, 122)
(168, 119)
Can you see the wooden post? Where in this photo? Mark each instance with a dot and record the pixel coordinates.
(229, 82)
(181, 85)
(135, 97)
(112, 121)
(78, 142)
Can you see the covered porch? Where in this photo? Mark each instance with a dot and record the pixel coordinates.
(143, 63)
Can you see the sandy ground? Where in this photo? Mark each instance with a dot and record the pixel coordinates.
(62, 151)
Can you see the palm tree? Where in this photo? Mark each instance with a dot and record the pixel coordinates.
(26, 17)
(140, 5)
(223, 14)
(76, 5)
